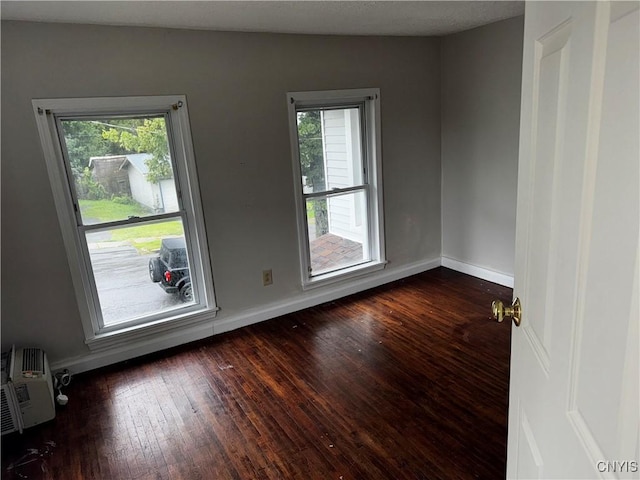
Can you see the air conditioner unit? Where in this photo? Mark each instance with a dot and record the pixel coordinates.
(29, 383)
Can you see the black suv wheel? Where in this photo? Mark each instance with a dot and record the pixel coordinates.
(155, 270)
(186, 292)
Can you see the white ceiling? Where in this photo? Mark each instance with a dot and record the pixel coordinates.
(308, 17)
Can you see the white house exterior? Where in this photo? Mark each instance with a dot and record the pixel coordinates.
(342, 151)
(160, 197)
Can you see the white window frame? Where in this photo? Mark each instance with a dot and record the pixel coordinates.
(369, 98)
(174, 108)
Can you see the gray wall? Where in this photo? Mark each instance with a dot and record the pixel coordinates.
(481, 74)
(235, 85)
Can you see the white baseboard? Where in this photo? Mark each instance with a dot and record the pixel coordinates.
(109, 356)
(480, 272)
(321, 295)
(306, 299)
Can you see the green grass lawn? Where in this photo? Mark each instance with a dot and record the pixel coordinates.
(145, 238)
(108, 211)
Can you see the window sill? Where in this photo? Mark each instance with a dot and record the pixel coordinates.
(124, 336)
(344, 274)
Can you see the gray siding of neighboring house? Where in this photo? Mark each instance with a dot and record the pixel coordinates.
(343, 164)
(141, 190)
(160, 197)
(166, 195)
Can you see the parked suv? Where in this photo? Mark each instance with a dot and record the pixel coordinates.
(171, 268)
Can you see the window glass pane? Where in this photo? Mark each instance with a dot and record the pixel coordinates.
(338, 232)
(121, 167)
(140, 270)
(330, 145)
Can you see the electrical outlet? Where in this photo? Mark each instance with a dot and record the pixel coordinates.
(267, 277)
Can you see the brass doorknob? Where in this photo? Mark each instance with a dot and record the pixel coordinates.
(500, 311)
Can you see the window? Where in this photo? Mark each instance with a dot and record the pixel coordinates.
(125, 186)
(335, 140)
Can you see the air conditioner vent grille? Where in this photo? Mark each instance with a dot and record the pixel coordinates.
(7, 422)
(33, 360)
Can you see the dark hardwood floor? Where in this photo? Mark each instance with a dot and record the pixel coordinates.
(405, 381)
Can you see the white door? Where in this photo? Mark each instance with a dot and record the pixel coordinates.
(573, 410)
